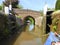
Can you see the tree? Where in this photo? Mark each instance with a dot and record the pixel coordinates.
(15, 4)
(51, 9)
(57, 6)
(0, 7)
(20, 6)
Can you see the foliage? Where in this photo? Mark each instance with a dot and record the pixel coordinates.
(0, 7)
(57, 6)
(32, 21)
(50, 9)
(18, 16)
(6, 26)
(14, 4)
(3, 21)
(20, 6)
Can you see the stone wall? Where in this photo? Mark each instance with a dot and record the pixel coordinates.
(25, 12)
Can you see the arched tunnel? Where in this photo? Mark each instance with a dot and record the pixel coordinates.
(30, 21)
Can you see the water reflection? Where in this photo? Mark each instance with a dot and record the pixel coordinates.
(31, 27)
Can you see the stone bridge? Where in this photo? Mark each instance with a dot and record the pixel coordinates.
(23, 13)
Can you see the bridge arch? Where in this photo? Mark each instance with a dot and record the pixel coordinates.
(30, 21)
(30, 18)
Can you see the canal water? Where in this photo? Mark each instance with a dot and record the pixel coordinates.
(31, 36)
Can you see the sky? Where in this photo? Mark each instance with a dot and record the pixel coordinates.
(36, 4)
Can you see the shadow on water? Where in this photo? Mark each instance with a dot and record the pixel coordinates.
(10, 40)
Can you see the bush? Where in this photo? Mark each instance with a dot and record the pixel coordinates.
(0, 7)
(3, 27)
(57, 6)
